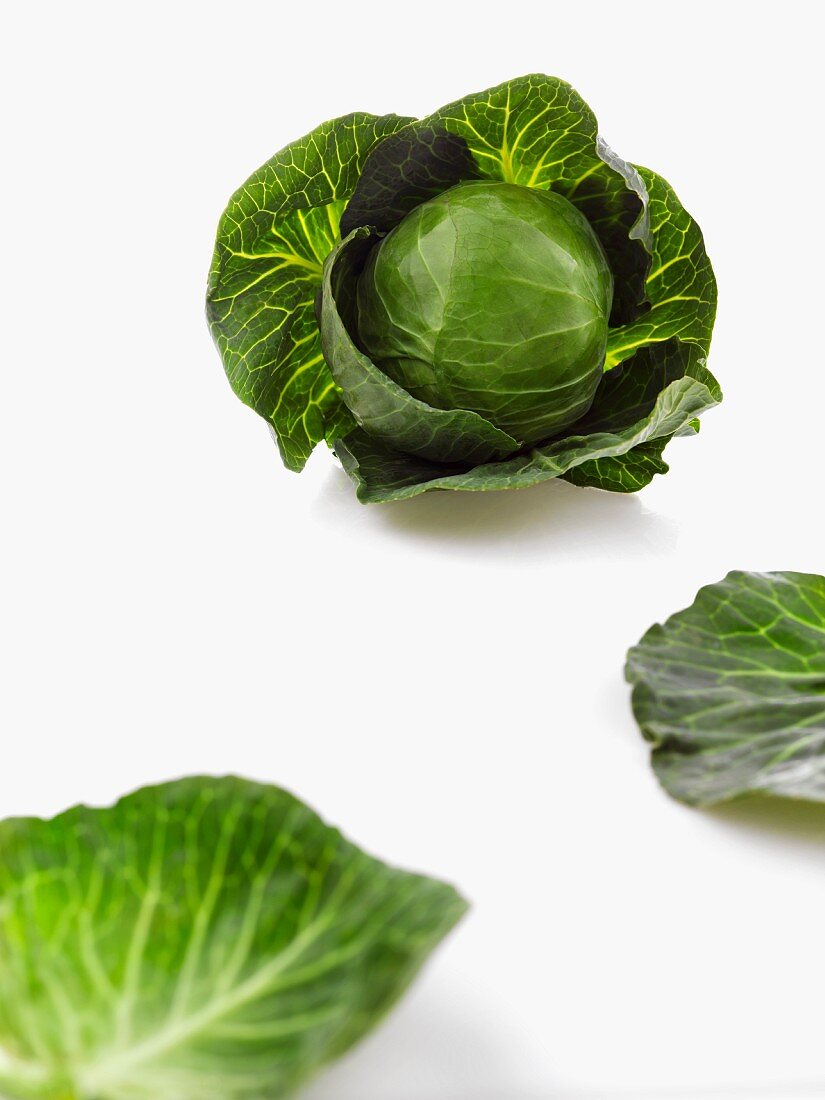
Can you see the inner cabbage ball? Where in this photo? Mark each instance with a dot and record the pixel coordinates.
(491, 297)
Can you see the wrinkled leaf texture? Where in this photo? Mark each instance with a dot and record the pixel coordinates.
(731, 691)
(271, 244)
(207, 939)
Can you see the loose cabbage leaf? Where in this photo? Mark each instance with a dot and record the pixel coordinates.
(731, 691)
(377, 403)
(266, 270)
(208, 938)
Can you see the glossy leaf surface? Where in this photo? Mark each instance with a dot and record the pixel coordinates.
(731, 691)
(494, 298)
(383, 408)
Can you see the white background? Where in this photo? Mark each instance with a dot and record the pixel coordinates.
(442, 678)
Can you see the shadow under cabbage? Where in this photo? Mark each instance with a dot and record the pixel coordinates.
(786, 818)
(552, 515)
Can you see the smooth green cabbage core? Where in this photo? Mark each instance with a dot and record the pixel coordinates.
(495, 298)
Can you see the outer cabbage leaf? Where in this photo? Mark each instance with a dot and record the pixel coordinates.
(271, 244)
(681, 290)
(731, 691)
(629, 391)
(680, 285)
(627, 473)
(382, 474)
(386, 410)
(649, 401)
(209, 939)
(625, 394)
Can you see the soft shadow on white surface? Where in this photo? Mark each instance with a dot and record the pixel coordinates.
(430, 1050)
(755, 1091)
(420, 1048)
(781, 821)
(554, 514)
(735, 1092)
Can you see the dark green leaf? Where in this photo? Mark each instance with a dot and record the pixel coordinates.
(271, 245)
(382, 473)
(680, 285)
(731, 691)
(535, 132)
(626, 473)
(208, 938)
(681, 290)
(627, 393)
(403, 171)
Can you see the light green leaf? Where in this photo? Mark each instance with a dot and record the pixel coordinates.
(208, 939)
(731, 691)
(271, 245)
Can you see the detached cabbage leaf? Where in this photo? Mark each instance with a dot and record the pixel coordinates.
(208, 938)
(450, 363)
(731, 691)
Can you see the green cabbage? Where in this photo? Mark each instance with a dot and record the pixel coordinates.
(483, 299)
(495, 298)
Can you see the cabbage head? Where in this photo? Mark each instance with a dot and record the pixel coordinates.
(483, 299)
